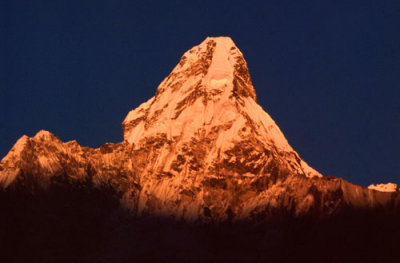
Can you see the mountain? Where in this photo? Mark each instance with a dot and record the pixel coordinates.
(200, 151)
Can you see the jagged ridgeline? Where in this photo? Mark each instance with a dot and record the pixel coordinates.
(203, 164)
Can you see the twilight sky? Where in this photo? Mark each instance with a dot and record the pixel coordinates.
(328, 73)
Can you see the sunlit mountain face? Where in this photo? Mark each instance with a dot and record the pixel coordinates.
(203, 173)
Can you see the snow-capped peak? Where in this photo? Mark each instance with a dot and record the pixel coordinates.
(43, 134)
(389, 187)
(209, 92)
(10, 159)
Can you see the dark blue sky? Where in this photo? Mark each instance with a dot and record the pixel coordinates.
(328, 73)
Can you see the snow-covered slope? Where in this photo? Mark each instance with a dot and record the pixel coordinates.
(200, 149)
(389, 187)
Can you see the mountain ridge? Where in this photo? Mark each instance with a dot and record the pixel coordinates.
(201, 149)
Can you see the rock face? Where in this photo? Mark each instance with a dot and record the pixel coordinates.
(201, 150)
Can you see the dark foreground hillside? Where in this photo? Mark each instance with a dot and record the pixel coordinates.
(82, 223)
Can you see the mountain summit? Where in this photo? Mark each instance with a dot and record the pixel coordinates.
(208, 100)
(201, 149)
